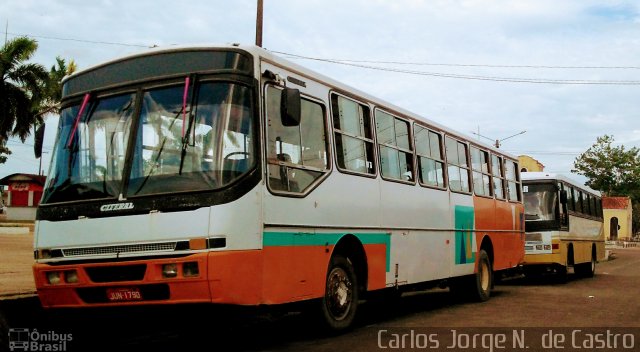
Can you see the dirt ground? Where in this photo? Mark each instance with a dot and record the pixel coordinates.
(16, 259)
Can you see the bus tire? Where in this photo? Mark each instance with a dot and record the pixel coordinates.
(587, 269)
(483, 278)
(340, 300)
(476, 287)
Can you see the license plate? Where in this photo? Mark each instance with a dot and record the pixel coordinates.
(124, 294)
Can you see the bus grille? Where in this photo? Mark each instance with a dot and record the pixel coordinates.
(117, 273)
(131, 248)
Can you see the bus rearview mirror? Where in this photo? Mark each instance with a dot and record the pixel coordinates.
(563, 196)
(290, 107)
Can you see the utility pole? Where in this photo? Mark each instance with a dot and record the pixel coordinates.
(6, 32)
(497, 142)
(259, 24)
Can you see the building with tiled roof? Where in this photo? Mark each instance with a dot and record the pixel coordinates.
(617, 218)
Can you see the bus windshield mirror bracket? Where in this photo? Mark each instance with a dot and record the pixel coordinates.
(290, 107)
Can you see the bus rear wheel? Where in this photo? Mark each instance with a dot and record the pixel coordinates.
(476, 287)
(587, 269)
(483, 278)
(340, 300)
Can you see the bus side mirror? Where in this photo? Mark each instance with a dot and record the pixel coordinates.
(39, 138)
(290, 107)
(563, 196)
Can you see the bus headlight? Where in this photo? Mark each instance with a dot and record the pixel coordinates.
(190, 269)
(71, 277)
(53, 278)
(169, 270)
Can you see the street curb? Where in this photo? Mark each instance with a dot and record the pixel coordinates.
(17, 295)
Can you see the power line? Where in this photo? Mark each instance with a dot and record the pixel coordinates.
(78, 40)
(476, 65)
(471, 77)
(543, 152)
(357, 63)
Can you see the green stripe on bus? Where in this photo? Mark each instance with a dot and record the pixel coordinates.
(274, 239)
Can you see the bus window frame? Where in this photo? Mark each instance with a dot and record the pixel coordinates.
(411, 151)
(326, 172)
(518, 180)
(333, 131)
(500, 176)
(488, 173)
(468, 168)
(445, 172)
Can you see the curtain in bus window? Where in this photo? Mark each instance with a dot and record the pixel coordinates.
(217, 147)
(296, 155)
(90, 164)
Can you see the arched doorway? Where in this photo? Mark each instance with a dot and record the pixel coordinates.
(613, 229)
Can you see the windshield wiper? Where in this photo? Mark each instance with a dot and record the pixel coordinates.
(85, 101)
(185, 136)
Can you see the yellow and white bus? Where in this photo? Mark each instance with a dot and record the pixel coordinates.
(564, 226)
(230, 175)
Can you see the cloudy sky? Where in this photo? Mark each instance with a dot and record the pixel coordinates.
(498, 67)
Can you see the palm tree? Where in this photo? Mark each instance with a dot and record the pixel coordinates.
(52, 88)
(21, 90)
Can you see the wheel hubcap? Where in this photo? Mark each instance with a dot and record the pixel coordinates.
(484, 276)
(339, 293)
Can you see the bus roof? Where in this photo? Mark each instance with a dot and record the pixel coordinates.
(269, 56)
(542, 176)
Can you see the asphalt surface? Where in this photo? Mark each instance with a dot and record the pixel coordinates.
(523, 315)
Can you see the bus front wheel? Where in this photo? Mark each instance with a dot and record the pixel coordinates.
(340, 300)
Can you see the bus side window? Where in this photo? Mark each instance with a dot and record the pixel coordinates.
(578, 200)
(497, 170)
(296, 155)
(430, 157)
(570, 202)
(481, 176)
(396, 155)
(457, 165)
(353, 135)
(513, 181)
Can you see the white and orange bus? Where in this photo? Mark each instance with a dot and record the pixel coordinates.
(564, 225)
(230, 175)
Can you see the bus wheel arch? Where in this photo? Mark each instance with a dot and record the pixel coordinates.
(570, 257)
(345, 279)
(588, 269)
(350, 247)
(487, 246)
(477, 287)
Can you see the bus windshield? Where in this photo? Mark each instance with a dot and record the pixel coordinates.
(104, 151)
(540, 202)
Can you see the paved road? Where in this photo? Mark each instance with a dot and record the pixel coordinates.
(519, 307)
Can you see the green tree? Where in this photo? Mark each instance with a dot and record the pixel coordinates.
(28, 92)
(613, 170)
(21, 89)
(52, 87)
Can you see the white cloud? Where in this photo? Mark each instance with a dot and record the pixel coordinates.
(557, 118)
